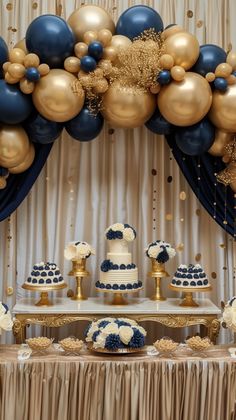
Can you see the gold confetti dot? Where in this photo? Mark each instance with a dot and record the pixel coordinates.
(9, 6)
(180, 247)
(225, 222)
(224, 268)
(198, 212)
(169, 216)
(199, 23)
(190, 13)
(222, 246)
(182, 219)
(34, 5)
(198, 257)
(182, 195)
(14, 30)
(10, 291)
(213, 275)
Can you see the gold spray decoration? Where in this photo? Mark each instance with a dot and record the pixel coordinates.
(230, 151)
(228, 175)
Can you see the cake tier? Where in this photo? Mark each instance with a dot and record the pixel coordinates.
(119, 276)
(118, 246)
(184, 282)
(120, 258)
(118, 286)
(45, 275)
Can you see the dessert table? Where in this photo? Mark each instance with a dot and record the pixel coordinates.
(65, 311)
(91, 386)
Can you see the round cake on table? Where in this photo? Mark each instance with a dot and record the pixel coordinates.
(45, 275)
(190, 276)
(118, 273)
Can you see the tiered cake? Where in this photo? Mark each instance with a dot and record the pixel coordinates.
(190, 276)
(118, 273)
(45, 274)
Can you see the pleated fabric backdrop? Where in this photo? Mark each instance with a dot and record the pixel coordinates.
(124, 175)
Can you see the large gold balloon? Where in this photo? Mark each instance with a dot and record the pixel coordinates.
(90, 18)
(184, 48)
(231, 59)
(187, 102)
(119, 43)
(221, 139)
(223, 109)
(127, 107)
(57, 96)
(27, 162)
(171, 31)
(21, 44)
(14, 145)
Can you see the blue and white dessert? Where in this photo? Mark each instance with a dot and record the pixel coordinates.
(190, 276)
(45, 274)
(117, 271)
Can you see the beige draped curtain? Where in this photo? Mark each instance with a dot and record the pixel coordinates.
(124, 175)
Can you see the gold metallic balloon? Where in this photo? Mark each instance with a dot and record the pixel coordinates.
(27, 162)
(90, 36)
(11, 80)
(6, 65)
(105, 36)
(127, 107)
(110, 53)
(221, 139)
(231, 79)
(14, 145)
(16, 55)
(231, 59)
(80, 49)
(57, 96)
(90, 18)
(43, 69)
(31, 60)
(101, 86)
(223, 70)
(177, 73)
(187, 102)
(166, 61)
(210, 77)
(171, 31)
(223, 109)
(119, 43)
(155, 88)
(16, 70)
(106, 66)
(26, 86)
(72, 64)
(21, 44)
(184, 48)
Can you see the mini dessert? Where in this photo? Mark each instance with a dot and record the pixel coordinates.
(39, 343)
(197, 343)
(161, 251)
(190, 276)
(71, 345)
(76, 251)
(166, 345)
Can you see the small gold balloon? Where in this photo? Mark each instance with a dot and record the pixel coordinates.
(16, 70)
(16, 55)
(231, 59)
(3, 183)
(72, 64)
(171, 31)
(233, 186)
(223, 70)
(26, 86)
(155, 88)
(55, 98)
(90, 18)
(31, 60)
(223, 109)
(210, 77)
(14, 145)
(90, 36)
(98, 72)
(177, 73)
(166, 61)
(221, 139)
(80, 49)
(43, 69)
(119, 43)
(21, 44)
(101, 86)
(231, 80)
(27, 162)
(109, 53)
(106, 66)
(6, 65)
(11, 80)
(127, 107)
(187, 102)
(105, 36)
(184, 48)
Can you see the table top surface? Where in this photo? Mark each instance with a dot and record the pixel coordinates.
(135, 306)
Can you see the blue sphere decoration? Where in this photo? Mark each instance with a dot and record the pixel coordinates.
(88, 63)
(196, 139)
(220, 84)
(32, 74)
(209, 58)
(15, 106)
(137, 19)
(40, 130)
(164, 77)
(3, 54)
(85, 126)
(158, 124)
(51, 38)
(95, 50)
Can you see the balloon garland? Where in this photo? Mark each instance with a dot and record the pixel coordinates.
(130, 74)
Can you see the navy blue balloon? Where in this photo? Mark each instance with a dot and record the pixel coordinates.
(85, 126)
(164, 77)
(220, 84)
(32, 74)
(209, 58)
(15, 106)
(158, 124)
(95, 50)
(137, 19)
(40, 130)
(3, 54)
(196, 139)
(88, 63)
(51, 38)
(3, 171)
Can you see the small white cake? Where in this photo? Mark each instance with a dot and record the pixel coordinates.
(45, 274)
(190, 276)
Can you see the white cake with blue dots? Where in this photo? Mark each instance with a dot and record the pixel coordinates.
(45, 274)
(190, 276)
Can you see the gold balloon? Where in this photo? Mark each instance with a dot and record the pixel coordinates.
(81, 49)
(127, 107)
(231, 79)
(119, 43)
(26, 86)
(90, 18)
(166, 61)
(210, 77)
(11, 80)
(101, 86)
(43, 69)
(6, 65)
(223, 70)
(184, 48)
(110, 53)
(16, 55)
(90, 36)
(221, 139)
(16, 70)
(187, 102)
(57, 96)
(27, 162)
(231, 59)
(14, 145)
(31, 60)
(155, 88)
(171, 31)
(21, 44)
(177, 73)
(105, 36)
(223, 109)
(106, 66)
(72, 64)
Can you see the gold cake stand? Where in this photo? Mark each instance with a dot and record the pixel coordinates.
(188, 292)
(44, 300)
(79, 272)
(118, 296)
(158, 272)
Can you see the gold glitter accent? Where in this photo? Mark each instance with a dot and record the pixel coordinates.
(9, 291)
(189, 13)
(227, 176)
(88, 83)
(199, 23)
(169, 216)
(213, 275)
(198, 212)
(180, 247)
(225, 222)
(9, 6)
(198, 257)
(34, 5)
(182, 195)
(222, 246)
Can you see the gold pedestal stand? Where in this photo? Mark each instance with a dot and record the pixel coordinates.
(44, 300)
(158, 272)
(118, 296)
(79, 272)
(188, 300)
